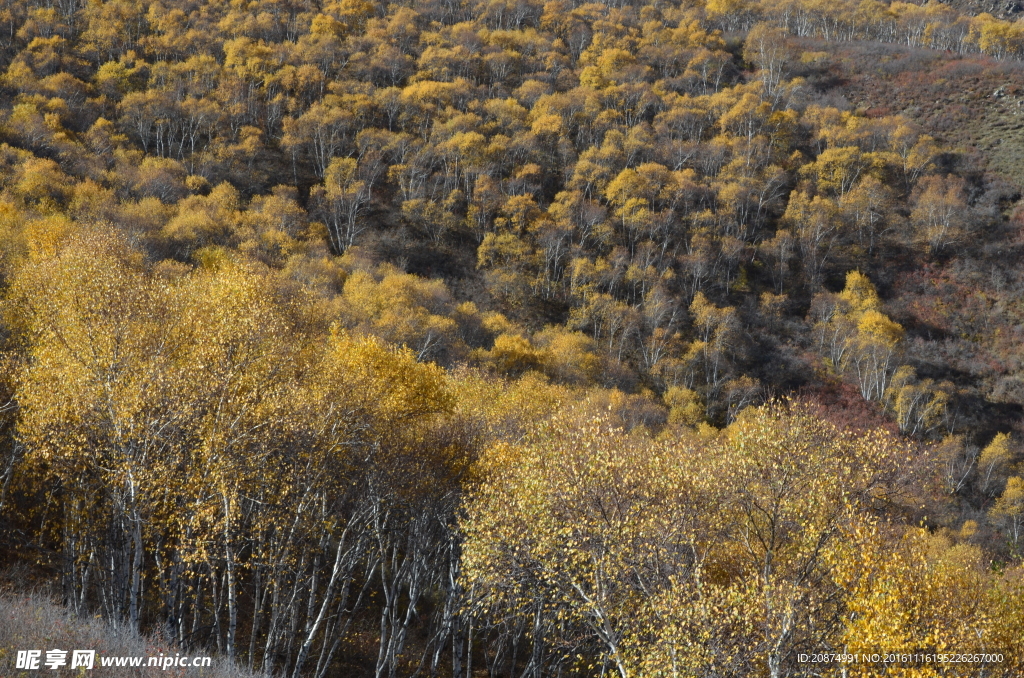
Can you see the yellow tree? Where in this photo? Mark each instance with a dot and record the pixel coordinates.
(1009, 508)
(101, 407)
(940, 212)
(765, 47)
(868, 207)
(860, 340)
(716, 331)
(341, 199)
(817, 229)
(922, 593)
(798, 481)
(994, 458)
(405, 310)
(235, 336)
(706, 556)
(574, 529)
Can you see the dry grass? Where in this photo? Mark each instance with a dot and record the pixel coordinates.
(1000, 136)
(953, 98)
(32, 621)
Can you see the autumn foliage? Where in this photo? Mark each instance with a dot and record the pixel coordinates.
(512, 337)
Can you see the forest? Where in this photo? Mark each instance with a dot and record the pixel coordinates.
(516, 338)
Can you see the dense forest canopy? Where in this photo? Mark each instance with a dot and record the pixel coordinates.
(518, 338)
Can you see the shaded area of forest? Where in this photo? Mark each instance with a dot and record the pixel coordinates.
(529, 338)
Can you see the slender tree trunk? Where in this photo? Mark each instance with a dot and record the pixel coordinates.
(300, 660)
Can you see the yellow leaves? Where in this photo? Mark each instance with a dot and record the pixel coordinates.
(712, 322)
(940, 211)
(685, 406)
(186, 401)
(646, 186)
(863, 343)
(513, 355)
(996, 37)
(875, 326)
(860, 293)
(731, 13)
(403, 309)
(1009, 508)
(765, 47)
(918, 405)
(996, 452)
(783, 448)
(41, 183)
(505, 409)
(324, 24)
(836, 170)
(94, 324)
(340, 177)
(813, 57)
(250, 59)
(569, 357)
(503, 249)
(113, 347)
(652, 210)
(204, 220)
(162, 178)
(570, 512)
(917, 592)
(583, 512)
(1011, 501)
(468, 147)
(548, 124)
(116, 77)
(746, 117)
(44, 237)
(815, 220)
(389, 381)
(517, 214)
(605, 68)
(436, 94)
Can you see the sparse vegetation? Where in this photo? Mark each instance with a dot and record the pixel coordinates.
(32, 620)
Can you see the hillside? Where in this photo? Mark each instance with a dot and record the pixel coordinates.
(517, 338)
(1004, 9)
(973, 105)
